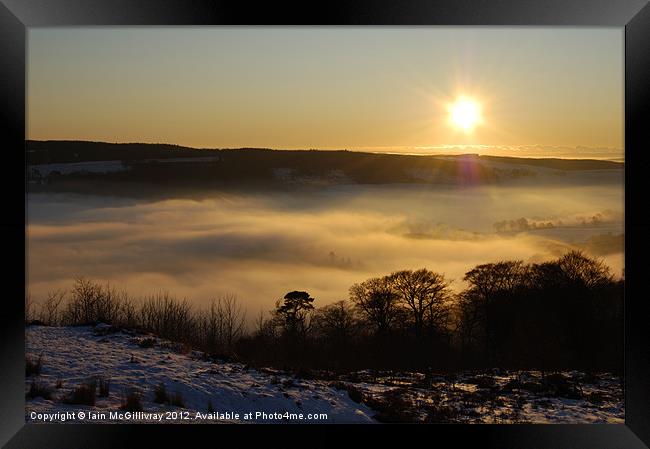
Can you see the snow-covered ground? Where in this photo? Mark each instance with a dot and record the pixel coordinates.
(112, 166)
(79, 167)
(498, 397)
(291, 176)
(72, 355)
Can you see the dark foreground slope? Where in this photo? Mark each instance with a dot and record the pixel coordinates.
(213, 391)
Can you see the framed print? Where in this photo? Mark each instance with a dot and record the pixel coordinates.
(369, 213)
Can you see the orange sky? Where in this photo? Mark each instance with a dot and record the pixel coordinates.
(326, 87)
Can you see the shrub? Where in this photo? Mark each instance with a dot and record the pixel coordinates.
(355, 394)
(484, 381)
(160, 394)
(104, 387)
(83, 394)
(104, 329)
(147, 342)
(131, 401)
(182, 348)
(560, 385)
(177, 400)
(595, 397)
(588, 378)
(353, 377)
(512, 384)
(33, 367)
(38, 389)
(305, 373)
(36, 323)
(442, 414)
(90, 303)
(393, 406)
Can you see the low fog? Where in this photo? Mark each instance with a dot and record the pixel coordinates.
(260, 246)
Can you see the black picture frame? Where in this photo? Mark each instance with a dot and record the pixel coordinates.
(17, 15)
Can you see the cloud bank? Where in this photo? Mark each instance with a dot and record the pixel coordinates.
(261, 246)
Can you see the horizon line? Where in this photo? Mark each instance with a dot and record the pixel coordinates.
(408, 150)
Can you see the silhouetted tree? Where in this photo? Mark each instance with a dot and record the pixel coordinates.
(425, 293)
(336, 322)
(293, 313)
(583, 271)
(489, 283)
(557, 314)
(377, 302)
(470, 315)
(222, 324)
(488, 279)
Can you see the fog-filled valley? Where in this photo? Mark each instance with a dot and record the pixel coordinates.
(259, 245)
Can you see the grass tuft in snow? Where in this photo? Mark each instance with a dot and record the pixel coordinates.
(38, 389)
(132, 401)
(104, 386)
(394, 406)
(160, 394)
(33, 366)
(177, 400)
(84, 394)
(353, 392)
(147, 342)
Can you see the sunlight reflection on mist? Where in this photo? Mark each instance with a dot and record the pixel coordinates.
(261, 246)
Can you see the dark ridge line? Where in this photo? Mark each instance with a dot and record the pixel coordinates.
(172, 146)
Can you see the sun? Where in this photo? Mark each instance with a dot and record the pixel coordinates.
(465, 114)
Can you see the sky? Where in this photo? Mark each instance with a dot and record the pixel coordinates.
(328, 87)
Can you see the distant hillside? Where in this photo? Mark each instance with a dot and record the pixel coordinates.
(80, 166)
(558, 164)
(66, 151)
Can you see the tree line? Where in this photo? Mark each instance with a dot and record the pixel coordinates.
(566, 313)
